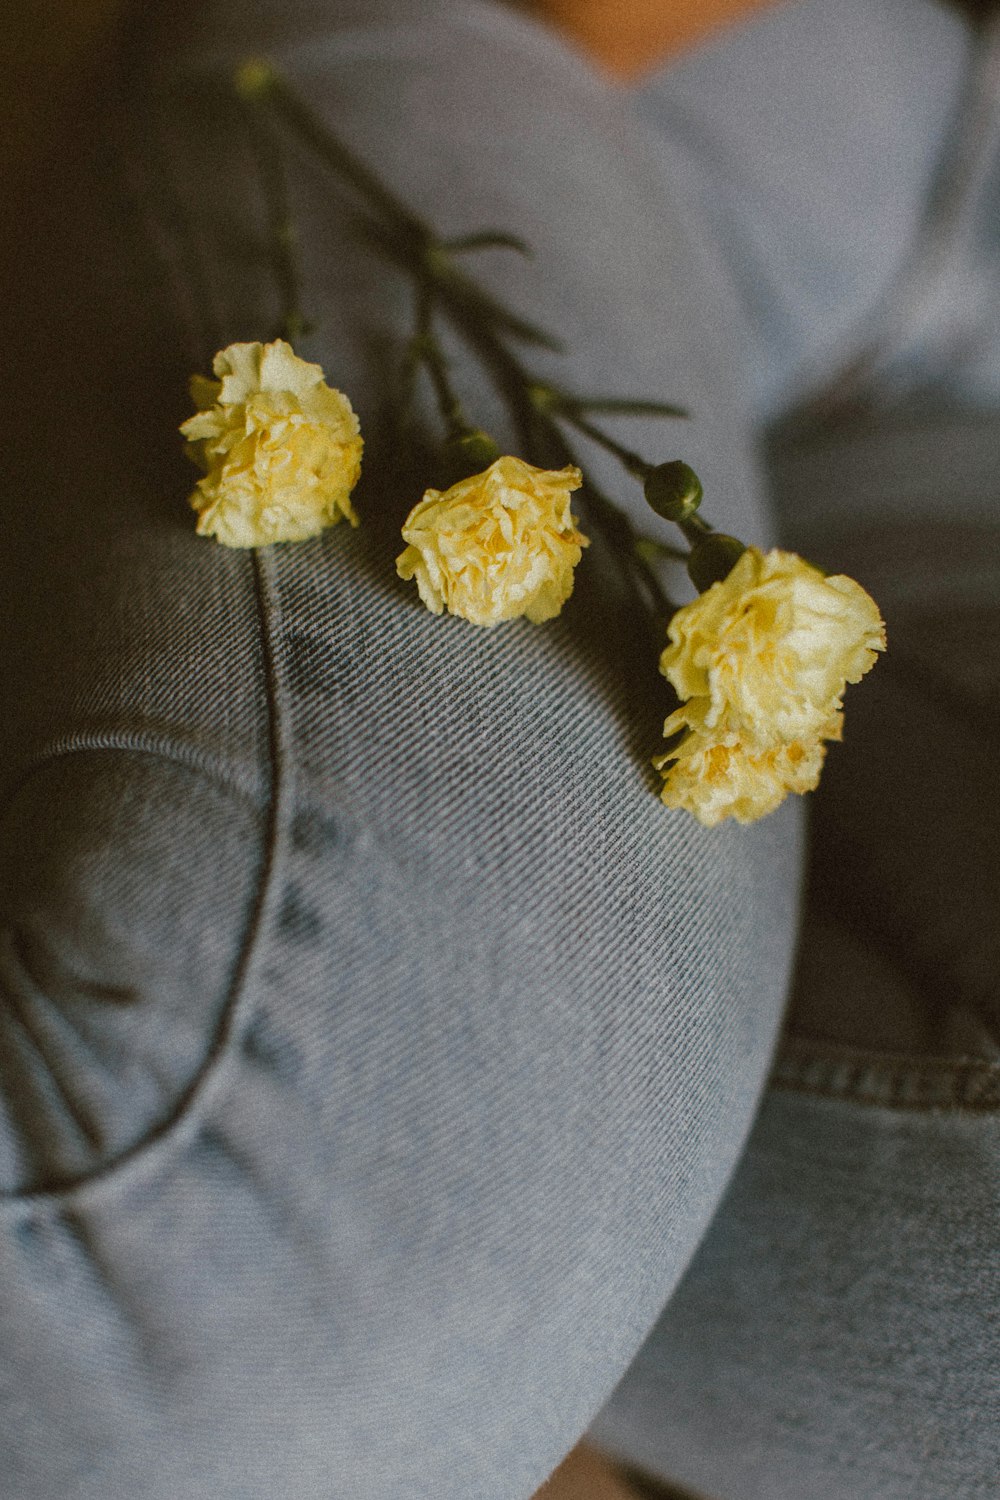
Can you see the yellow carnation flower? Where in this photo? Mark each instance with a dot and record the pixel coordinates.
(280, 449)
(767, 653)
(497, 545)
(717, 779)
(761, 659)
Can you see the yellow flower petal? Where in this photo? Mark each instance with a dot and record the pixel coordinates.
(767, 653)
(280, 449)
(761, 661)
(714, 779)
(497, 545)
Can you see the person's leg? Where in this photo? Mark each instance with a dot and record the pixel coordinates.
(809, 139)
(835, 1336)
(363, 1103)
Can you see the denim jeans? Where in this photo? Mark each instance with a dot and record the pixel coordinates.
(834, 1336)
(376, 1048)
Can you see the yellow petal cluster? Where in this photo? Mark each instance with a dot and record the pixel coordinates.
(497, 545)
(280, 449)
(761, 660)
(717, 779)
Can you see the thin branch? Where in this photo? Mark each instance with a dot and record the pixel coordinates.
(284, 239)
(488, 239)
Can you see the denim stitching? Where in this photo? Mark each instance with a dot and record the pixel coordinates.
(230, 779)
(828, 1070)
(212, 1074)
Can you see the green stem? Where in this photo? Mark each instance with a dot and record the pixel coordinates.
(271, 87)
(428, 351)
(538, 428)
(651, 546)
(617, 529)
(477, 317)
(284, 239)
(405, 235)
(636, 466)
(694, 528)
(488, 239)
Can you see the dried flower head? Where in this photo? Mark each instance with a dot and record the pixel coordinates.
(717, 779)
(281, 450)
(761, 660)
(768, 652)
(497, 545)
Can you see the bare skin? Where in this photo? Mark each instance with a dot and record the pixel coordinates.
(627, 38)
(585, 1475)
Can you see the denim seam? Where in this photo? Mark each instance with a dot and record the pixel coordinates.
(153, 747)
(213, 1075)
(901, 1081)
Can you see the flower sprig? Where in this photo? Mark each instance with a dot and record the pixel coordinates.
(280, 450)
(444, 286)
(759, 660)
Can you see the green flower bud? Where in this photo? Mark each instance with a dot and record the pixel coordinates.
(477, 447)
(542, 397)
(673, 490)
(713, 558)
(468, 454)
(253, 78)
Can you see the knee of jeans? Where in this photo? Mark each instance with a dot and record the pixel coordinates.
(128, 885)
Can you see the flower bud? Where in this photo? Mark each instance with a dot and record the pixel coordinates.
(253, 78)
(673, 490)
(713, 558)
(542, 397)
(478, 447)
(467, 454)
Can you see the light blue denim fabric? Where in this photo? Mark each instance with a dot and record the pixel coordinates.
(810, 139)
(361, 1109)
(375, 1048)
(836, 1335)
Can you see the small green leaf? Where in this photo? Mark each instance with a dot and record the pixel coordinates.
(488, 239)
(481, 305)
(624, 406)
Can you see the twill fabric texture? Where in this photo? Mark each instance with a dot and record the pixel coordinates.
(376, 1047)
